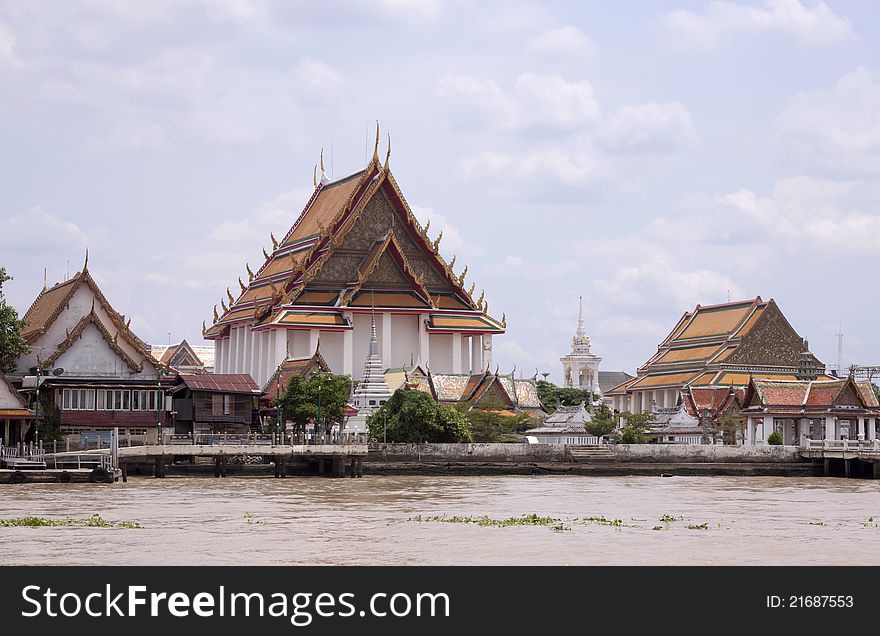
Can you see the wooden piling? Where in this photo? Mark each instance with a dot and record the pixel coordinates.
(826, 466)
(124, 467)
(846, 466)
(217, 467)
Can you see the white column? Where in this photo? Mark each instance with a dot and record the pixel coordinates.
(248, 351)
(751, 431)
(487, 351)
(424, 342)
(829, 427)
(348, 352)
(268, 369)
(862, 425)
(280, 353)
(476, 354)
(872, 428)
(218, 355)
(456, 352)
(386, 340)
(258, 358)
(805, 431)
(314, 335)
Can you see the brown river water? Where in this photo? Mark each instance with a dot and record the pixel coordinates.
(369, 521)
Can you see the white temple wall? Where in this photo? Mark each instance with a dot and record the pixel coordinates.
(465, 354)
(332, 350)
(92, 356)
(405, 340)
(441, 352)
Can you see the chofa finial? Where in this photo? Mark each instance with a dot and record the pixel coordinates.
(250, 272)
(376, 145)
(216, 316)
(229, 296)
(86, 263)
(274, 241)
(388, 155)
(315, 176)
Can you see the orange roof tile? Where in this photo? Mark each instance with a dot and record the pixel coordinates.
(715, 321)
(685, 354)
(665, 379)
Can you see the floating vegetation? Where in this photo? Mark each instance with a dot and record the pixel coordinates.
(524, 520)
(252, 520)
(666, 518)
(870, 523)
(659, 528)
(94, 521)
(602, 521)
(698, 526)
(818, 523)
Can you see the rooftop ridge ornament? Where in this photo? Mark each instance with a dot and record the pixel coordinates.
(324, 178)
(216, 316)
(223, 305)
(315, 176)
(229, 296)
(265, 253)
(376, 145)
(482, 295)
(452, 262)
(387, 167)
(241, 284)
(504, 324)
(204, 328)
(274, 241)
(85, 268)
(45, 281)
(437, 241)
(250, 273)
(463, 274)
(427, 227)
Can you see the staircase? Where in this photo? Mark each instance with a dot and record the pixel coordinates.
(593, 453)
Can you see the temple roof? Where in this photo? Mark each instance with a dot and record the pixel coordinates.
(302, 365)
(486, 387)
(810, 395)
(723, 345)
(220, 382)
(12, 404)
(295, 274)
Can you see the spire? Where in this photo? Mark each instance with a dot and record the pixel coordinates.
(580, 327)
(86, 263)
(374, 343)
(45, 281)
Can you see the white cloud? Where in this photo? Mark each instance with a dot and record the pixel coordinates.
(838, 128)
(509, 352)
(535, 168)
(553, 102)
(722, 21)
(452, 242)
(416, 10)
(626, 326)
(475, 101)
(561, 41)
(652, 127)
(276, 216)
(805, 214)
(535, 100)
(317, 77)
(7, 46)
(536, 271)
(657, 276)
(38, 231)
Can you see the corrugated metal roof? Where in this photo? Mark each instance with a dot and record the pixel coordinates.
(221, 383)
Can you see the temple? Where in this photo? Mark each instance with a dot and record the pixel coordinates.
(84, 355)
(580, 368)
(712, 353)
(356, 240)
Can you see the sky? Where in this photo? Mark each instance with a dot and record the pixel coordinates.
(647, 156)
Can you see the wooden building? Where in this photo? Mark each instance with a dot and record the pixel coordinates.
(84, 354)
(355, 245)
(215, 403)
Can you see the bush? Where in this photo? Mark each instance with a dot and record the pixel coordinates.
(775, 438)
(414, 417)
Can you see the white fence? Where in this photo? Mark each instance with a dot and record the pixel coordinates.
(849, 445)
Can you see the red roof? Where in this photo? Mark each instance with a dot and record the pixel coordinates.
(221, 383)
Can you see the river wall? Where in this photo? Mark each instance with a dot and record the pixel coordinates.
(555, 453)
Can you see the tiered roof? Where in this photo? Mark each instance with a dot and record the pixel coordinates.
(799, 397)
(12, 405)
(345, 244)
(50, 304)
(723, 345)
(302, 365)
(481, 388)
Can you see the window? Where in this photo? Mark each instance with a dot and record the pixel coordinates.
(113, 400)
(145, 400)
(221, 404)
(78, 400)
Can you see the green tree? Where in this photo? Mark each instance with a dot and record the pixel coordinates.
(637, 425)
(603, 422)
(300, 399)
(488, 422)
(775, 438)
(12, 345)
(729, 427)
(551, 395)
(413, 416)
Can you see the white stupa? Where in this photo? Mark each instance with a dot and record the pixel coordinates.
(372, 391)
(580, 368)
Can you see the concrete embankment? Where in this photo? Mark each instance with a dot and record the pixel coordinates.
(553, 459)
